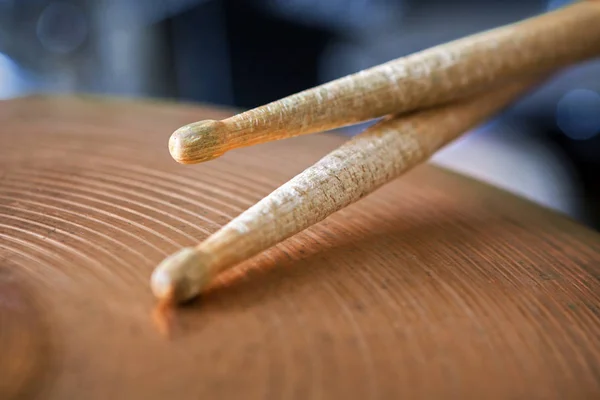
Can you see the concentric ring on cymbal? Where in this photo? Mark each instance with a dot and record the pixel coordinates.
(433, 287)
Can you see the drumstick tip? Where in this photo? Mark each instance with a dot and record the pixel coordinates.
(197, 142)
(181, 276)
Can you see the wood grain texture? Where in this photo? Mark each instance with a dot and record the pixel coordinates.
(424, 79)
(434, 287)
(360, 166)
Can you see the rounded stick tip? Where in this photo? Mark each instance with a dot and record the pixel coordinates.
(198, 142)
(181, 276)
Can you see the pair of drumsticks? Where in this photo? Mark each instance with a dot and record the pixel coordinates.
(430, 98)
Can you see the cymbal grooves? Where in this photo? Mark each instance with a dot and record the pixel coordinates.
(434, 287)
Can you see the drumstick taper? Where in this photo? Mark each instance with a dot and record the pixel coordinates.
(363, 164)
(431, 77)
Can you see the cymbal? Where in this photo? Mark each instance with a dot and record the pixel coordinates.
(436, 286)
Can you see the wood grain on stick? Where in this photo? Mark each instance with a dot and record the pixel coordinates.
(357, 168)
(436, 75)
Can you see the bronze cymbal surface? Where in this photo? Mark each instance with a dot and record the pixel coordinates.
(434, 287)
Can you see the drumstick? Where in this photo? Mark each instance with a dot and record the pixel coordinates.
(363, 164)
(431, 77)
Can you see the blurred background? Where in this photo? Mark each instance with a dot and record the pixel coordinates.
(247, 53)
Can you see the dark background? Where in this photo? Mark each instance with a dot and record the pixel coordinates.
(247, 53)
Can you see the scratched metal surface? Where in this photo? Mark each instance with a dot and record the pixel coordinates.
(433, 287)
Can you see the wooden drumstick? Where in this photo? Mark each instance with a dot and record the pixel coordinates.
(431, 77)
(357, 168)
